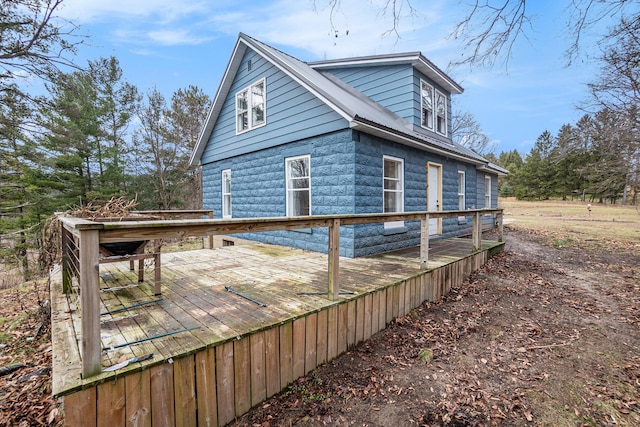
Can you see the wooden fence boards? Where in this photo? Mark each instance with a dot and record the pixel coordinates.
(286, 354)
(225, 383)
(162, 396)
(138, 399)
(258, 368)
(272, 361)
(184, 380)
(206, 388)
(310, 346)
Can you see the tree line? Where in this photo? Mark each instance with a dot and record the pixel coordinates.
(595, 160)
(94, 137)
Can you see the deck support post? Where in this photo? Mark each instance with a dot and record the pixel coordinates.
(67, 271)
(500, 226)
(210, 215)
(476, 232)
(334, 259)
(90, 301)
(424, 242)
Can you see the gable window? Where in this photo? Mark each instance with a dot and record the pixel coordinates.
(426, 105)
(393, 188)
(441, 113)
(298, 186)
(461, 191)
(226, 193)
(250, 107)
(487, 191)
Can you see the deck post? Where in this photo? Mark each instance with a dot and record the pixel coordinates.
(210, 215)
(424, 242)
(476, 232)
(500, 226)
(90, 302)
(66, 259)
(334, 259)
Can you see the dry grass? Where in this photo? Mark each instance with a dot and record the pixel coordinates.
(567, 223)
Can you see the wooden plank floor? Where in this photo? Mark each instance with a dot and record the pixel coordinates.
(196, 310)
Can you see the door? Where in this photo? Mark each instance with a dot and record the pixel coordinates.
(434, 196)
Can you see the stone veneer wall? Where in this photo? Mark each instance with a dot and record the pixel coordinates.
(346, 178)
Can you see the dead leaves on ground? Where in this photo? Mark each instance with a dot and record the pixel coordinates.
(522, 341)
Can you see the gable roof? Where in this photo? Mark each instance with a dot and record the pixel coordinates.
(361, 112)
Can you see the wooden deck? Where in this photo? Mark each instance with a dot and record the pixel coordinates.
(200, 310)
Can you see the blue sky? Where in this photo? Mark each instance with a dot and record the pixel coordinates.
(170, 45)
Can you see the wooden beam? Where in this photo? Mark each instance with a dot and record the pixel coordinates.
(424, 242)
(476, 231)
(334, 260)
(500, 218)
(90, 302)
(210, 215)
(67, 271)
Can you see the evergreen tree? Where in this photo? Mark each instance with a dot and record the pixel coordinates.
(536, 174)
(116, 101)
(71, 141)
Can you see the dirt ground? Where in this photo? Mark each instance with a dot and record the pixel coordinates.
(539, 336)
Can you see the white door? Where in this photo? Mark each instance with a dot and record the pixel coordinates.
(434, 190)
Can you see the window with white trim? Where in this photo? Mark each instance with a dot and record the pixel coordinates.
(426, 105)
(461, 191)
(226, 193)
(393, 188)
(487, 191)
(441, 113)
(298, 185)
(250, 107)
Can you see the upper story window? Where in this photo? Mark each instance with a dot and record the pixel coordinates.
(298, 185)
(250, 107)
(461, 191)
(426, 105)
(226, 193)
(441, 113)
(487, 191)
(393, 188)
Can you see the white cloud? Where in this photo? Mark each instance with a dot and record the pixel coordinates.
(90, 11)
(298, 25)
(176, 37)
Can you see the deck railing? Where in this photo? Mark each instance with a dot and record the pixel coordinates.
(81, 254)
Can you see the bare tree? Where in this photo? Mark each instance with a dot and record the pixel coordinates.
(467, 131)
(394, 10)
(490, 29)
(33, 40)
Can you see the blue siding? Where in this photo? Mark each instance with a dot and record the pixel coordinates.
(371, 239)
(258, 188)
(292, 113)
(346, 177)
(387, 85)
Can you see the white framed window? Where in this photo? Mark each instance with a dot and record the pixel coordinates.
(461, 191)
(226, 193)
(441, 113)
(426, 105)
(487, 191)
(298, 170)
(251, 107)
(393, 188)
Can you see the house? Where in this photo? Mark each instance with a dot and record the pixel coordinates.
(357, 135)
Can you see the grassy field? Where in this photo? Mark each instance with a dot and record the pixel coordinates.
(567, 223)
